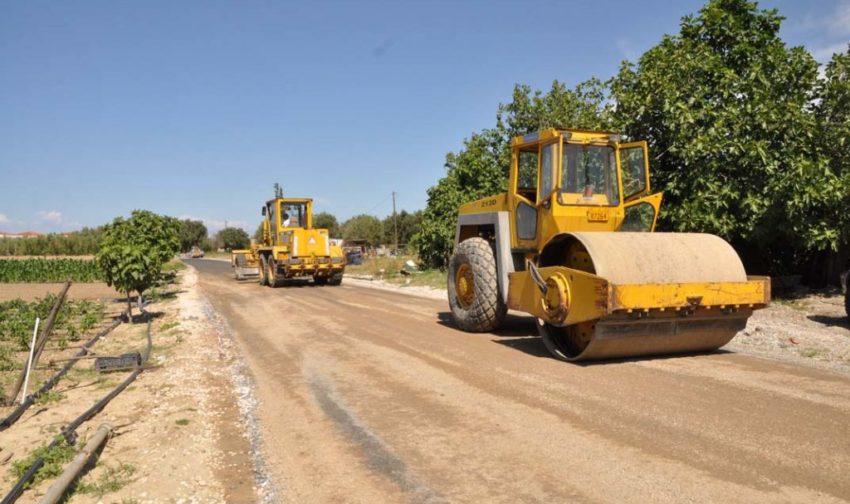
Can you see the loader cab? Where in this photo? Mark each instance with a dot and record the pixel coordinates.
(577, 180)
(282, 214)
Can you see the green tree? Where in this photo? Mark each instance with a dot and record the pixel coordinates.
(832, 215)
(231, 238)
(363, 227)
(325, 220)
(132, 252)
(192, 233)
(725, 107)
(408, 225)
(258, 233)
(481, 167)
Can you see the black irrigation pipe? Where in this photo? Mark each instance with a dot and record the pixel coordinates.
(49, 384)
(69, 431)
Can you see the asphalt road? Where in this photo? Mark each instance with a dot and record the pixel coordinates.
(372, 396)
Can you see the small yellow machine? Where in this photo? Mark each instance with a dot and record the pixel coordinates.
(291, 247)
(571, 243)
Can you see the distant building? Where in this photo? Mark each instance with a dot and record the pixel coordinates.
(25, 234)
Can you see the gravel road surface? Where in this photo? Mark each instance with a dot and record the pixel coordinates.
(372, 396)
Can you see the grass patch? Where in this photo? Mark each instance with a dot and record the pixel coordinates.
(182, 422)
(173, 265)
(114, 478)
(794, 304)
(813, 353)
(169, 326)
(54, 460)
(389, 270)
(49, 397)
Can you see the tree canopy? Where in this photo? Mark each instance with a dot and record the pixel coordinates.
(132, 251)
(192, 234)
(231, 238)
(363, 227)
(325, 220)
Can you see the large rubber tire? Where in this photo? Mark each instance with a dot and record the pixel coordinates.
(263, 271)
(320, 280)
(335, 280)
(482, 309)
(275, 279)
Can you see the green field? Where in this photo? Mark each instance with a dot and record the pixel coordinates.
(48, 270)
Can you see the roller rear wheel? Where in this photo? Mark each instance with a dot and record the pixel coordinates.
(473, 287)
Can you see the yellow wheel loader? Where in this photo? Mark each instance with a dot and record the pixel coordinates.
(290, 247)
(571, 243)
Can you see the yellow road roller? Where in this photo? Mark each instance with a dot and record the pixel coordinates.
(571, 242)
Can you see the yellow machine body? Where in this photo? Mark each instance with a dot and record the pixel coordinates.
(290, 247)
(573, 244)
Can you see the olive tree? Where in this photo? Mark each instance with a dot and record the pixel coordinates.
(133, 251)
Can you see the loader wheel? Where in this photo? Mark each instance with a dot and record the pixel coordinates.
(473, 286)
(275, 279)
(264, 280)
(335, 280)
(320, 280)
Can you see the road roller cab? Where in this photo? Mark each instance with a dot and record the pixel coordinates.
(571, 243)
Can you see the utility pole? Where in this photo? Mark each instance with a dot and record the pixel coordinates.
(395, 225)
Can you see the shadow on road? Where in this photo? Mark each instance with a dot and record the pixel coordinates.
(519, 333)
(831, 320)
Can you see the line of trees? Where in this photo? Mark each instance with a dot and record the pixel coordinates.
(83, 242)
(747, 141)
(367, 228)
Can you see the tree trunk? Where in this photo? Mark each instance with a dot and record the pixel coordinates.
(129, 309)
(141, 303)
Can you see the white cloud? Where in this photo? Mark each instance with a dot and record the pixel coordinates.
(4, 219)
(53, 216)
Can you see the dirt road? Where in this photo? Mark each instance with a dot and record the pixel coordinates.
(371, 396)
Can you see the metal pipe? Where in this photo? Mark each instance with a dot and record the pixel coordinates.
(57, 490)
(29, 360)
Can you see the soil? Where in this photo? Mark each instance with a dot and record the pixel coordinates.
(179, 427)
(31, 291)
(366, 395)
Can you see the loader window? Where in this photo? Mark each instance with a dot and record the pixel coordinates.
(293, 215)
(590, 176)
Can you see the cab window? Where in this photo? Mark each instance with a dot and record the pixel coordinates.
(293, 215)
(590, 176)
(634, 170)
(527, 174)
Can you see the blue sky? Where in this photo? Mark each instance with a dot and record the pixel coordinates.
(194, 109)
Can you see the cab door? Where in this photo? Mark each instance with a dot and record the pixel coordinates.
(634, 167)
(524, 201)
